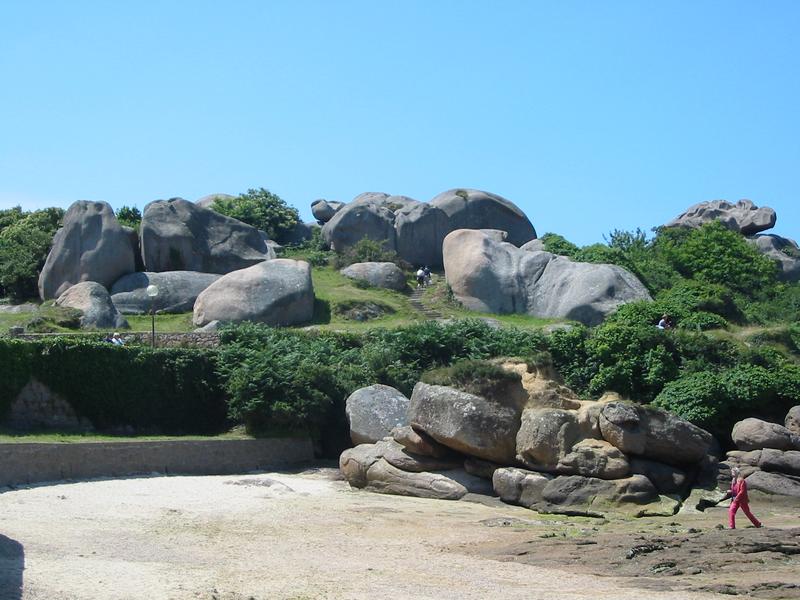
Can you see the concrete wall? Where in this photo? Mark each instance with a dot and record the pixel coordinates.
(36, 463)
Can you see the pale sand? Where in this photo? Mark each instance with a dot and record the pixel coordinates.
(272, 536)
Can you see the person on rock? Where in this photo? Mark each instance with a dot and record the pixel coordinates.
(738, 492)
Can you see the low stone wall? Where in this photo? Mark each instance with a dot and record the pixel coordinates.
(37, 463)
(192, 339)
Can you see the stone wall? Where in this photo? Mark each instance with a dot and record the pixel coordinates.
(24, 463)
(194, 339)
(37, 407)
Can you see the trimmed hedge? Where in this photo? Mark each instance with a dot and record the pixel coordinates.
(169, 390)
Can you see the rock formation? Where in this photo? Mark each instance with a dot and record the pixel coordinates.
(541, 447)
(177, 235)
(276, 292)
(743, 217)
(324, 210)
(783, 251)
(416, 230)
(378, 274)
(768, 455)
(90, 246)
(488, 275)
(94, 301)
(177, 291)
(374, 411)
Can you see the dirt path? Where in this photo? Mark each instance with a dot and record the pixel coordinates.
(275, 536)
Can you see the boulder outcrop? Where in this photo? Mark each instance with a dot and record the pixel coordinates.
(487, 275)
(573, 464)
(324, 210)
(177, 235)
(416, 230)
(90, 246)
(744, 216)
(783, 251)
(385, 275)
(768, 455)
(374, 411)
(277, 292)
(208, 201)
(177, 291)
(94, 301)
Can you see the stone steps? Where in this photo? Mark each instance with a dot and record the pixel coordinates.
(416, 303)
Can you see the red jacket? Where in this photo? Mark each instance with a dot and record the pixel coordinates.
(739, 491)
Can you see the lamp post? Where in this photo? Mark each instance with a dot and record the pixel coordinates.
(152, 291)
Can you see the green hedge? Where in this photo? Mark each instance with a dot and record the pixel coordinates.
(169, 390)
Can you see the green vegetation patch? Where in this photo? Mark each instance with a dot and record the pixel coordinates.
(479, 377)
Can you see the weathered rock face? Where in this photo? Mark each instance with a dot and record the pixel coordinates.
(653, 433)
(744, 216)
(90, 246)
(378, 274)
(594, 458)
(374, 411)
(419, 442)
(519, 486)
(324, 210)
(399, 457)
(368, 466)
(276, 292)
(298, 234)
(208, 201)
(774, 483)
(754, 434)
(365, 217)
(177, 235)
(177, 291)
(475, 209)
(666, 478)
(590, 492)
(467, 423)
(491, 276)
(792, 420)
(415, 230)
(545, 436)
(133, 236)
(783, 251)
(92, 298)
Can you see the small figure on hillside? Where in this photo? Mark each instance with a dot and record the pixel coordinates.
(665, 322)
(738, 492)
(427, 272)
(420, 278)
(117, 340)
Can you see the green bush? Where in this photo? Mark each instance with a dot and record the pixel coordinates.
(16, 358)
(479, 377)
(24, 244)
(263, 210)
(166, 390)
(129, 216)
(367, 250)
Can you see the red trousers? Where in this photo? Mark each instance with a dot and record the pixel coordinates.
(736, 505)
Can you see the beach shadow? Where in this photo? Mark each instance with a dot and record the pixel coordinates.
(12, 564)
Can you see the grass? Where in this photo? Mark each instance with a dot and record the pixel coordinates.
(331, 289)
(8, 436)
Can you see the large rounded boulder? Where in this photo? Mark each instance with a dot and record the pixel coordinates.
(476, 209)
(481, 427)
(743, 216)
(374, 411)
(784, 251)
(208, 201)
(324, 210)
(488, 275)
(277, 292)
(368, 216)
(377, 274)
(177, 235)
(90, 246)
(421, 229)
(754, 434)
(93, 300)
(177, 291)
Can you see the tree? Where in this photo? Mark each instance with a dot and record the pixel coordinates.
(129, 216)
(24, 244)
(262, 209)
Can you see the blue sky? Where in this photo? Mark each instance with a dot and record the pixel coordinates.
(591, 116)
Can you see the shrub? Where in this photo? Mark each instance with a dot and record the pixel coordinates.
(263, 210)
(479, 377)
(129, 216)
(166, 390)
(367, 250)
(24, 245)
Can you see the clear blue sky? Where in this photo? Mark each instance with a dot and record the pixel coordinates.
(589, 115)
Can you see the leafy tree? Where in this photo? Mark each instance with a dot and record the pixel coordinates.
(263, 210)
(10, 216)
(24, 244)
(129, 216)
(560, 245)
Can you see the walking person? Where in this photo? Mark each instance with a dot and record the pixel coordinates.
(738, 492)
(420, 278)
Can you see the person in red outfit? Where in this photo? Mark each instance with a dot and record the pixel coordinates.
(738, 492)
